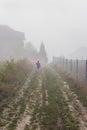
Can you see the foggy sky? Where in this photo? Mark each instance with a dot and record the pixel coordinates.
(61, 24)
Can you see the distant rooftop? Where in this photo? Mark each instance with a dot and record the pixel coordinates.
(7, 33)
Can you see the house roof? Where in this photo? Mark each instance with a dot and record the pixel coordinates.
(7, 33)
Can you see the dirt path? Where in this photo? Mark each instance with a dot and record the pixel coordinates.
(75, 106)
(11, 111)
(26, 118)
(32, 101)
(11, 118)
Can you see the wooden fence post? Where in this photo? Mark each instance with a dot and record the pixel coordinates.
(86, 72)
(66, 65)
(71, 66)
(63, 63)
(77, 69)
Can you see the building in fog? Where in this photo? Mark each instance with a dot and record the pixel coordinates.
(11, 43)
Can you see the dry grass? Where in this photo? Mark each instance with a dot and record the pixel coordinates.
(79, 87)
(12, 75)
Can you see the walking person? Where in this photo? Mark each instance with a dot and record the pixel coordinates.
(38, 65)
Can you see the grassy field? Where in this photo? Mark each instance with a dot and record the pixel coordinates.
(47, 100)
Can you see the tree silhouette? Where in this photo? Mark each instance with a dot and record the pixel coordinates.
(42, 53)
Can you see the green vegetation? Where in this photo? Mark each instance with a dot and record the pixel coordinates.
(76, 86)
(57, 105)
(48, 107)
(24, 100)
(48, 114)
(12, 76)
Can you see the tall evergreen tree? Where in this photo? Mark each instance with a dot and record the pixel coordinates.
(42, 53)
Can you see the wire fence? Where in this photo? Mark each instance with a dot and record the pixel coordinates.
(77, 68)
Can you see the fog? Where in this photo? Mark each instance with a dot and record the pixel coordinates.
(60, 24)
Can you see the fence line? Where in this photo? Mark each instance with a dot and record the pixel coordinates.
(77, 68)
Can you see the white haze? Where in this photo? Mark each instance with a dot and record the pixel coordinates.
(61, 24)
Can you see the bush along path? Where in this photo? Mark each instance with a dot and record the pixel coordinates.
(45, 102)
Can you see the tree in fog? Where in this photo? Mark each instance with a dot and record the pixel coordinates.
(42, 53)
(31, 51)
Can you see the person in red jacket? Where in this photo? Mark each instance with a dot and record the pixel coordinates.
(38, 64)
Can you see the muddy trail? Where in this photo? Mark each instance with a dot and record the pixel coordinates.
(44, 102)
